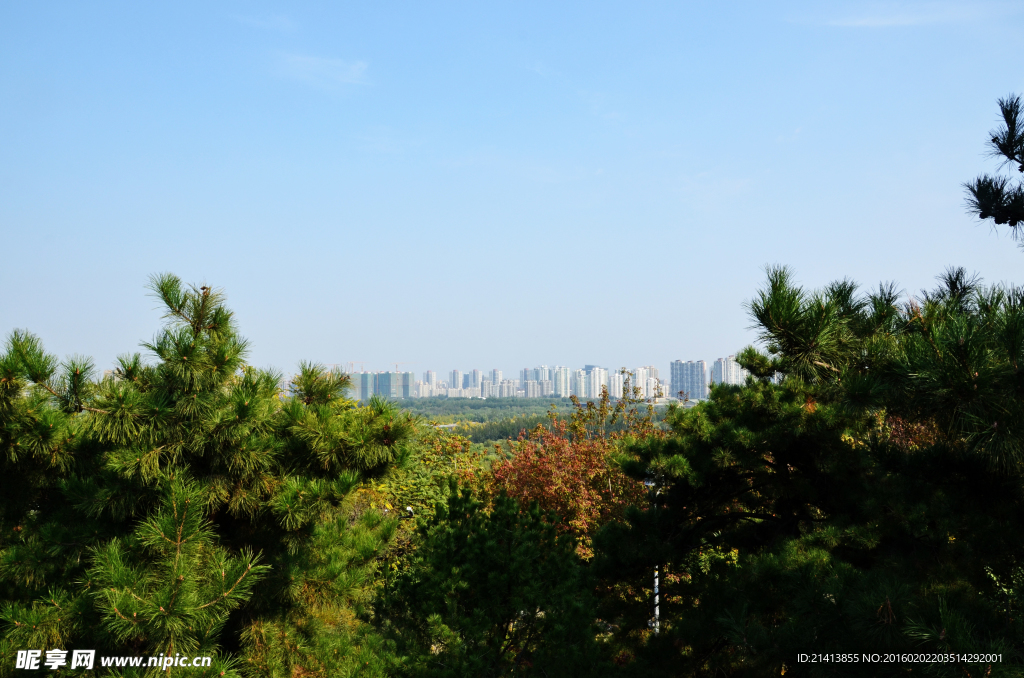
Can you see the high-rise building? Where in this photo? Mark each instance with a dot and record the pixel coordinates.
(395, 384)
(699, 379)
(728, 371)
(387, 384)
(495, 377)
(589, 381)
(578, 384)
(615, 384)
(560, 379)
(547, 388)
(675, 369)
(364, 385)
(690, 378)
(596, 381)
(640, 376)
(455, 379)
(653, 388)
(430, 378)
(474, 379)
(737, 374)
(406, 384)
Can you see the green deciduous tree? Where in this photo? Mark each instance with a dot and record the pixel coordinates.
(490, 593)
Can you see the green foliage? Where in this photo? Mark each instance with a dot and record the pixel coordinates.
(168, 584)
(508, 428)
(191, 504)
(456, 410)
(490, 594)
(862, 494)
(419, 481)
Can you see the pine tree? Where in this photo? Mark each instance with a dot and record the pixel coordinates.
(862, 493)
(190, 503)
(996, 197)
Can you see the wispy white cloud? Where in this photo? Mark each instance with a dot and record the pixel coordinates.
(894, 15)
(521, 166)
(895, 19)
(709, 190)
(320, 71)
(789, 138)
(598, 103)
(385, 140)
(271, 22)
(540, 69)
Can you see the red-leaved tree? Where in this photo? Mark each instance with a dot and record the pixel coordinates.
(567, 467)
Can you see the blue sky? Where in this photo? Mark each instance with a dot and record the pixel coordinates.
(460, 185)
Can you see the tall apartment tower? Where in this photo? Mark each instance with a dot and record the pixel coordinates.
(430, 378)
(615, 385)
(364, 385)
(691, 378)
(560, 379)
(455, 380)
(728, 371)
(474, 379)
(496, 376)
(675, 369)
(395, 384)
(596, 380)
(640, 377)
(578, 383)
(718, 370)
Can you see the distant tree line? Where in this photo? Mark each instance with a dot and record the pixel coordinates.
(454, 410)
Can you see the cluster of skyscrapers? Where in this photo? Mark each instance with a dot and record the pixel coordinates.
(690, 378)
(537, 382)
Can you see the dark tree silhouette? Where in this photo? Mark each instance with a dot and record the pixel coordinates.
(998, 197)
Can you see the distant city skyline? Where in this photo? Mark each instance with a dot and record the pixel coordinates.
(691, 378)
(485, 370)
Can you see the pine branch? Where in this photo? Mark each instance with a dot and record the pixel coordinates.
(227, 593)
